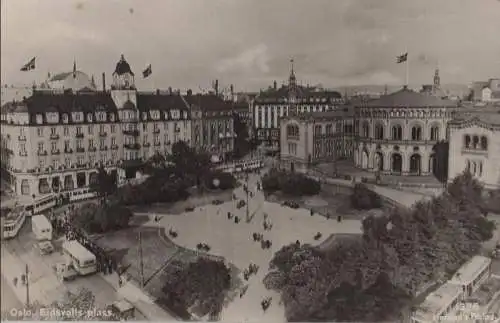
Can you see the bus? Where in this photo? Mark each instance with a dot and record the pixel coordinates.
(43, 204)
(13, 221)
(82, 260)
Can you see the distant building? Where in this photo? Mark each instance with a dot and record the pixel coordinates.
(435, 88)
(474, 138)
(271, 105)
(486, 91)
(316, 137)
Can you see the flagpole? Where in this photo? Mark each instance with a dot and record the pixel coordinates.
(407, 69)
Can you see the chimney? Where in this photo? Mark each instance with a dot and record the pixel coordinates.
(189, 92)
(275, 85)
(157, 91)
(104, 82)
(232, 90)
(169, 90)
(216, 87)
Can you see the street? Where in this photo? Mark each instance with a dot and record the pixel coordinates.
(9, 299)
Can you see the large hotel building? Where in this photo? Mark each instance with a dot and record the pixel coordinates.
(53, 140)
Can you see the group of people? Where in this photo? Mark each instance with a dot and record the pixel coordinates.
(259, 237)
(172, 233)
(230, 216)
(252, 269)
(203, 247)
(266, 302)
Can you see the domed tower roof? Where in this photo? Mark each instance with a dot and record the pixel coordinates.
(122, 67)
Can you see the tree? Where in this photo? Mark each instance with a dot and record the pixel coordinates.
(94, 218)
(155, 163)
(363, 198)
(189, 163)
(104, 185)
(440, 167)
(241, 143)
(201, 284)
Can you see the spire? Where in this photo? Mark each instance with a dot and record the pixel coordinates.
(92, 82)
(437, 79)
(48, 75)
(292, 79)
(74, 68)
(385, 90)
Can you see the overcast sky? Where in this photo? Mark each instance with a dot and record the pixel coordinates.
(250, 42)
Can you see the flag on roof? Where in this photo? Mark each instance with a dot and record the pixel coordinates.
(147, 71)
(402, 58)
(29, 66)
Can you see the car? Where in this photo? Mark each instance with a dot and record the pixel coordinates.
(45, 247)
(291, 204)
(217, 202)
(189, 209)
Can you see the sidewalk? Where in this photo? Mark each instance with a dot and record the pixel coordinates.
(142, 302)
(44, 287)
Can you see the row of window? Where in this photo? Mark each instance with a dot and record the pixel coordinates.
(397, 132)
(101, 116)
(405, 113)
(475, 167)
(475, 142)
(302, 100)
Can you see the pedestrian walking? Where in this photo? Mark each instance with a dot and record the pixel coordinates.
(15, 281)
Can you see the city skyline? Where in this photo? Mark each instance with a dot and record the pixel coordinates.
(191, 43)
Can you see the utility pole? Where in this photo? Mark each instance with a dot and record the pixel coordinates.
(141, 263)
(248, 207)
(27, 287)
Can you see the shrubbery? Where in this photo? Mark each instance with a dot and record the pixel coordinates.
(226, 180)
(199, 286)
(94, 218)
(363, 198)
(374, 277)
(289, 183)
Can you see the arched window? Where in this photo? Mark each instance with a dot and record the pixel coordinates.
(397, 132)
(317, 130)
(475, 142)
(480, 169)
(25, 187)
(292, 131)
(467, 141)
(434, 133)
(379, 131)
(467, 166)
(366, 130)
(416, 133)
(484, 143)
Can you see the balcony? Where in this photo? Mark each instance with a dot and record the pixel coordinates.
(21, 138)
(80, 150)
(146, 144)
(54, 136)
(114, 147)
(156, 130)
(132, 146)
(68, 150)
(102, 148)
(157, 143)
(79, 135)
(131, 132)
(103, 134)
(55, 152)
(42, 153)
(92, 148)
(23, 153)
(475, 151)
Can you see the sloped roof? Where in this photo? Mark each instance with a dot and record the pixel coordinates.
(408, 98)
(491, 118)
(162, 102)
(209, 102)
(41, 102)
(301, 92)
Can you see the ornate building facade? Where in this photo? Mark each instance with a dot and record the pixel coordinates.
(474, 145)
(396, 133)
(269, 106)
(318, 137)
(54, 140)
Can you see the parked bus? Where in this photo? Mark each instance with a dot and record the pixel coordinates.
(42, 228)
(82, 260)
(13, 221)
(43, 204)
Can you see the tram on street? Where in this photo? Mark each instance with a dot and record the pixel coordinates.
(13, 221)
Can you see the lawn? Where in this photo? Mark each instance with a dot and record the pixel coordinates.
(332, 199)
(123, 245)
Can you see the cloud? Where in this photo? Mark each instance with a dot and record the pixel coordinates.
(253, 60)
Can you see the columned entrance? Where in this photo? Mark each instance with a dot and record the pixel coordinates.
(378, 161)
(364, 159)
(415, 164)
(397, 163)
(432, 164)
